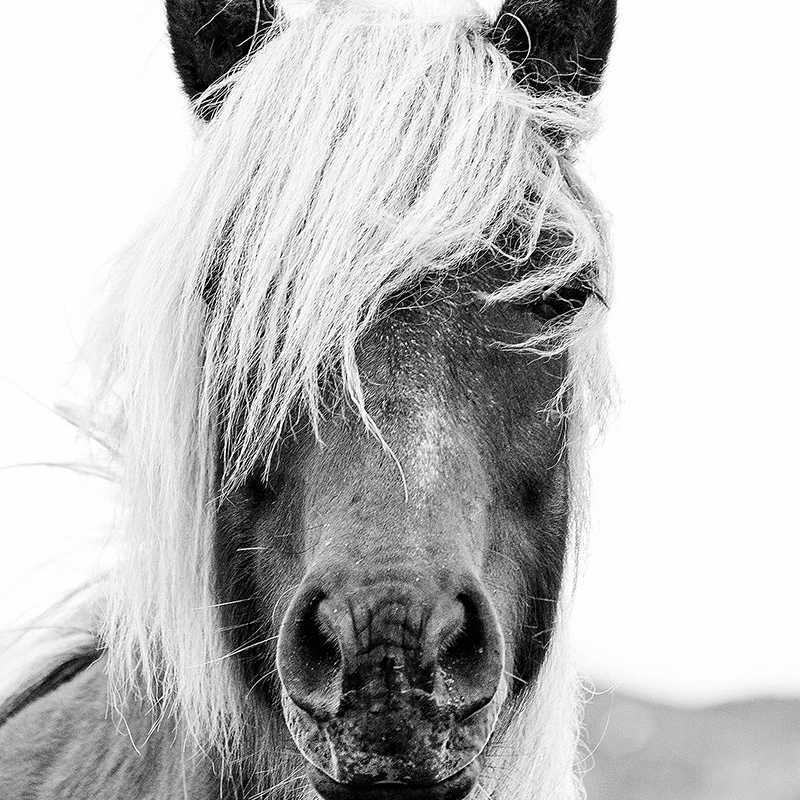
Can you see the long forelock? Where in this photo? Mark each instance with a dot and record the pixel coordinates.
(352, 156)
(396, 152)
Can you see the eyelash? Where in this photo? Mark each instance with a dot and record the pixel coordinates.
(561, 303)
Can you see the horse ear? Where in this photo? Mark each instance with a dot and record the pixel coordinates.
(209, 37)
(557, 44)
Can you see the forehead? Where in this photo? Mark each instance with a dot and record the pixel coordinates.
(441, 333)
(438, 360)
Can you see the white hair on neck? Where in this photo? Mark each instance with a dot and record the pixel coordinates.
(353, 154)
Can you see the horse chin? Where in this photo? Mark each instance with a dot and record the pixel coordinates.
(457, 787)
(440, 758)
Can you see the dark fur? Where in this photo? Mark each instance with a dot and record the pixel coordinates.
(557, 44)
(209, 37)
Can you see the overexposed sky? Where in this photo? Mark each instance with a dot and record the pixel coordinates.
(691, 588)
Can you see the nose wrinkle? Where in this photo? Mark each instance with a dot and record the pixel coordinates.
(388, 655)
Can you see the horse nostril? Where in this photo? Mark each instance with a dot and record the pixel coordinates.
(470, 655)
(309, 658)
(458, 648)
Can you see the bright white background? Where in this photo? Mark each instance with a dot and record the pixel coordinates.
(691, 592)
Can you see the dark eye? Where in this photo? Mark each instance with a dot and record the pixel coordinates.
(560, 304)
(259, 489)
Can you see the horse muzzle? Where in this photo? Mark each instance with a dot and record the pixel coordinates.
(392, 690)
(456, 788)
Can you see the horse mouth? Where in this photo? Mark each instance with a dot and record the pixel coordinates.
(456, 787)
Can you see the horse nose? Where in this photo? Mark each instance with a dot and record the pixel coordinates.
(376, 646)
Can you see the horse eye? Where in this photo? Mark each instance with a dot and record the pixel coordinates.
(259, 490)
(560, 303)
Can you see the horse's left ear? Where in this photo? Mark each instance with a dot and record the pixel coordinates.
(557, 44)
(209, 37)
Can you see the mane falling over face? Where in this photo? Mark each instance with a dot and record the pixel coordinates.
(359, 354)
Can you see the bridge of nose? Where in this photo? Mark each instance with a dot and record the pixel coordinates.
(421, 503)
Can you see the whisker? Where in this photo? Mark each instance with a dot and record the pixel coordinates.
(228, 603)
(515, 677)
(241, 650)
(88, 470)
(280, 597)
(262, 678)
(485, 793)
(280, 785)
(229, 628)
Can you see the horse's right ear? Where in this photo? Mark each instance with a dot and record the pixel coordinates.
(557, 44)
(209, 37)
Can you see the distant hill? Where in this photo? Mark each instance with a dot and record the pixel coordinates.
(737, 751)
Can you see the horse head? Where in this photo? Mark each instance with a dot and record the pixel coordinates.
(375, 306)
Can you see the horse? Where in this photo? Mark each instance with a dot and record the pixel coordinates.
(349, 374)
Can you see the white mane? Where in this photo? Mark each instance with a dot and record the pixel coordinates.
(353, 154)
(423, 10)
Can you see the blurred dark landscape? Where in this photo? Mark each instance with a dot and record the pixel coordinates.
(638, 750)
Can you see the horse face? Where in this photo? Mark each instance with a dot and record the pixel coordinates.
(409, 588)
